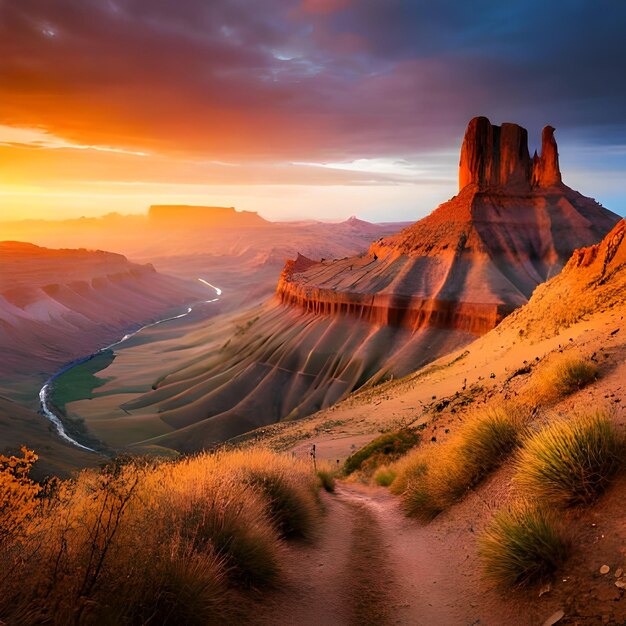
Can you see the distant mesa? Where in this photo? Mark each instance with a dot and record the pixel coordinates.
(183, 215)
(497, 156)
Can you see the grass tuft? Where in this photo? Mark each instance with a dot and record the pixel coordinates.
(571, 462)
(383, 449)
(435, 477)
(326, 479)
(565, 376)
(384, 476)
(522, 545)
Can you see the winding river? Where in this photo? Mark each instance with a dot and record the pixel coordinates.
(46, 408)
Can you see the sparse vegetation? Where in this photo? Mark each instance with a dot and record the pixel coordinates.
(522, 545)
(144, 542)
(384, 476)
(571, 462)
(384, 449)
(326, 476)
(565, 376)
(435, 477)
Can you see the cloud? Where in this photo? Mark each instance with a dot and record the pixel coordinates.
(310, 81)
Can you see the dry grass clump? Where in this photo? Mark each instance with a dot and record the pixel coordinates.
(522, 545)
(435, 477)
(291, 497)
(571, 462)
(565, 376)
(326, 475)
(384, 449)
(147, 543)
(384, 476)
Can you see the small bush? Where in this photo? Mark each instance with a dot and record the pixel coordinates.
(383, 449)
(522, 545)
(291, 496)
(565, 376)
(384, 476)
(17, 492)
(326, 478)
(443, 473)
(571, 462)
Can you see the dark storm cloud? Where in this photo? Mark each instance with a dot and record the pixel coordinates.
(313, 80)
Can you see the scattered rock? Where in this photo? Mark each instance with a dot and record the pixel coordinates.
(620, 584)
(619, 572)
(547, 588)
(554, 618)
(605, 569)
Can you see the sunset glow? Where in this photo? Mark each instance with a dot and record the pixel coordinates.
(321, 108)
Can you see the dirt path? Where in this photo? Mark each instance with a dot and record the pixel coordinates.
(358, 571)
(372, 565)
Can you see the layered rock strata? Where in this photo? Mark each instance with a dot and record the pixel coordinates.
(477, 257)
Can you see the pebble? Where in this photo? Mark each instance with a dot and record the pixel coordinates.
(619, 573)
(605, 569)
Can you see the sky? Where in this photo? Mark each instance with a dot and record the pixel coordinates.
(296, 108)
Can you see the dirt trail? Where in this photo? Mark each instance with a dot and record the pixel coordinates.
(372, 565)
(361, 570)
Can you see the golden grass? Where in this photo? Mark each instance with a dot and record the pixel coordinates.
(326, 475)
(384, 476)
(522, 545)
(570, 462)
(436, 476)
(563, 376)
(384, 449)
(160, 543)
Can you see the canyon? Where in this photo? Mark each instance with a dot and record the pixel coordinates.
(337, 325)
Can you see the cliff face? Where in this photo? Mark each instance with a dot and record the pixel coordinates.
(477, 257)
(497, 156)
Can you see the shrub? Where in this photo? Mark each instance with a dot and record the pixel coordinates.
(570, 462)
(17, 492)
(444, 473)
(163, 543)
(383, 449)
(384, 476)
(565, 376)
(522, 545)
(289, 487)
(326, 478)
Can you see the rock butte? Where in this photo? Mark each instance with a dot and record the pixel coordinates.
(477, 257)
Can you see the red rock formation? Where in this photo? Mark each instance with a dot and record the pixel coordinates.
(546, 171)
(497, 156)
(475, 258)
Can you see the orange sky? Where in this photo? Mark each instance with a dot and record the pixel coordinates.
(296, 109)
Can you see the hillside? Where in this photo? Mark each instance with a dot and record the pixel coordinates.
(513, 362)
(57, 305)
